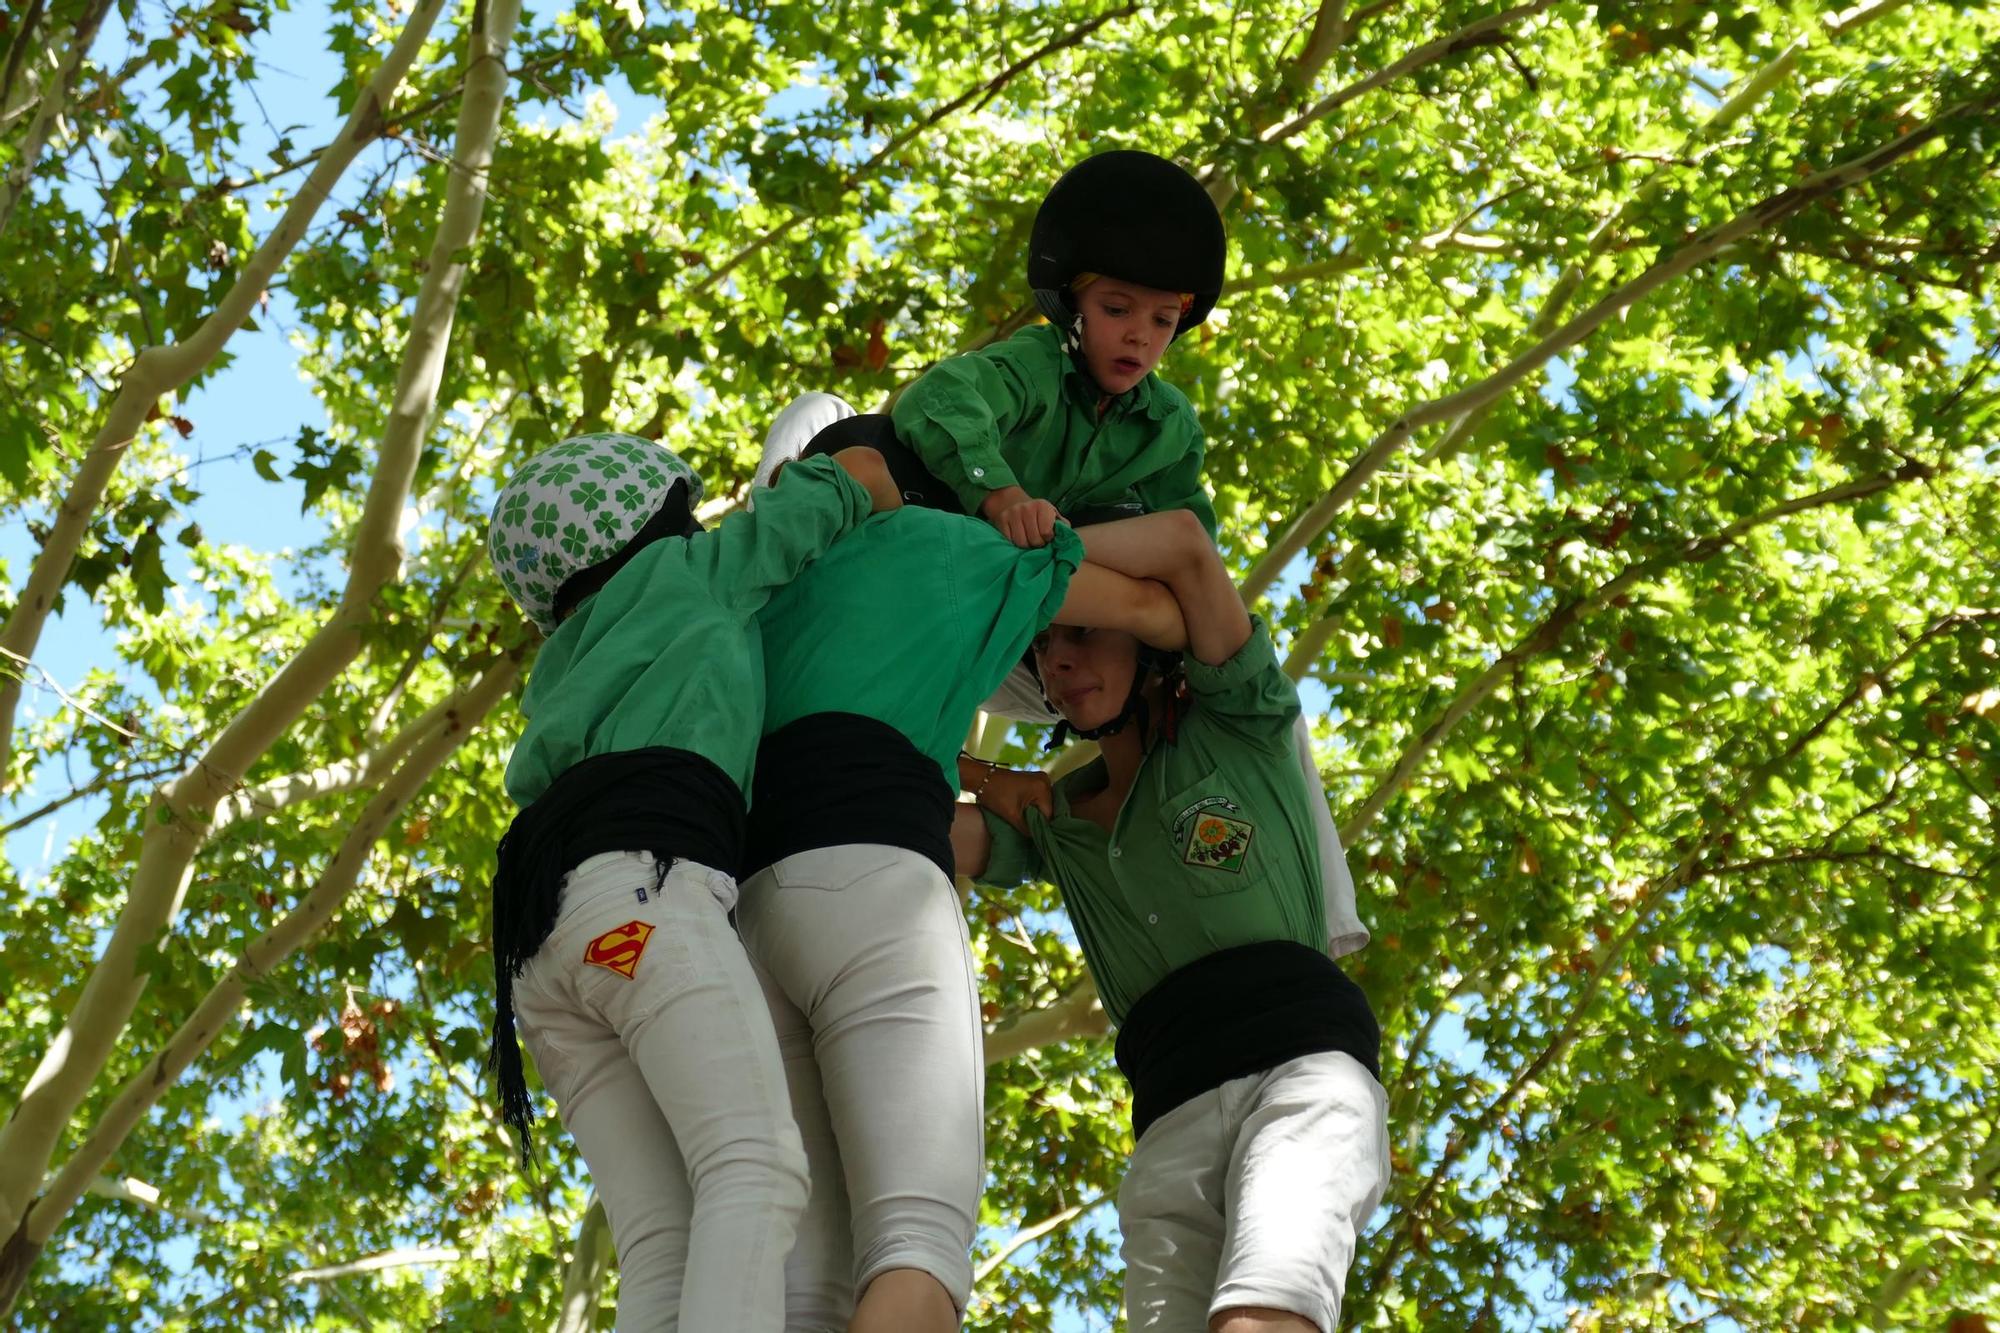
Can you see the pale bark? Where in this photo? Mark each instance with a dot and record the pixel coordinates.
(178, 819)
(219, 1007)
(1028, 1235)
(1076, 1014)
(1706, 246)
(55, 99)
(134, 1191)
(416, 1256)
(163, 369)
(1550, 631)
(1752, 91)
(1480, 32)
(589, 1265)
(354, 774)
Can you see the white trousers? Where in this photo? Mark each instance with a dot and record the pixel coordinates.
(869, 977)
(1253, 1194)
(646, 1021)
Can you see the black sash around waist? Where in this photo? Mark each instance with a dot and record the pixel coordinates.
(1239, 1012)
(832, 779)
(673, 803)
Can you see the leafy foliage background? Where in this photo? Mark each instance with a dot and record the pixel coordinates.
(1656, 692)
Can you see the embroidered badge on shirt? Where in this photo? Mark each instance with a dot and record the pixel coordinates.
(1211, 840)
(619, 950)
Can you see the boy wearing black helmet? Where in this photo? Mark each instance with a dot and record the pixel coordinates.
(1126, 255)
(1187, 860)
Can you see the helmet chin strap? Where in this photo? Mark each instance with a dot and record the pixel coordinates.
(1135, 710)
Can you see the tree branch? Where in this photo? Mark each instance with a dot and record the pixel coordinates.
(1545, 635)
(176, 823)
(1076, 1014)
(17, 50)
(1914, 1267)
(1481, 32)
(1029, 1235)
(426, 1256)
(259, 957)
(1698, 250)
(1686, 871)
(984, 90)
(131, 1190)
(589, 1264)
(55, 97)
(1753, 91)
(355, 774)
(162, 369)
(88, 789)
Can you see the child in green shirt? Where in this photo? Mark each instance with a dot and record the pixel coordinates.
(1187, 859)
(1126, 255)
(611, 939)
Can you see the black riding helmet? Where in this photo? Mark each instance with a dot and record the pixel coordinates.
(1130, 215)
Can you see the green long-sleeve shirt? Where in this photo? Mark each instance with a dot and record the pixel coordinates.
(668, 651)
(912, 620)
(1020, 413)
(1213, 848)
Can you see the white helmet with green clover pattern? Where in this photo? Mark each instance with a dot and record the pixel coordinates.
(579, 504)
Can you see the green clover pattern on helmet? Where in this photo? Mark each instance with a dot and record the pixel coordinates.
(575, 505)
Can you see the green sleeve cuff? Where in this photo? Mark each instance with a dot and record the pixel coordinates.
(1257, 656)
(1013, 859)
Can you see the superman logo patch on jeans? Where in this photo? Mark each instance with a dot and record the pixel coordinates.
(619, 950)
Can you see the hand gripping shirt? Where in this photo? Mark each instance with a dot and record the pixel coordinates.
(667, 653)
(1213, 849)
(1020, 413)
(912, 620)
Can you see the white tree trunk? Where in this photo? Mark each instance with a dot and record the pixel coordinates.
(178, 819)
(260, 956)
(161, 370)
(589, 1264)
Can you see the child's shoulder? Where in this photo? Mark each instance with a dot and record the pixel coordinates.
(1037, 347)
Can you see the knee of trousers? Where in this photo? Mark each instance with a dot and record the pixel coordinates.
(771, 1168)
(944, 1256)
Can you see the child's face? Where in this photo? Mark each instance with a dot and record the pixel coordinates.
(1087, 674)
(1126, 329)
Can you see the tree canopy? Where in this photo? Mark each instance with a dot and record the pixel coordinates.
(1602, 411)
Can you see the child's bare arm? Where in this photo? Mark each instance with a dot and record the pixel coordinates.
(1174, 548)
(971, 840)
(868, 467)
(1100, 598)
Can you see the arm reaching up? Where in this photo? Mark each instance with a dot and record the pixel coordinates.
(1101, 598)
(1175, 549)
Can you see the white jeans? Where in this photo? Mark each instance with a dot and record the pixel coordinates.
(658, 1050)
(1252, 1194)
(869, 977)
